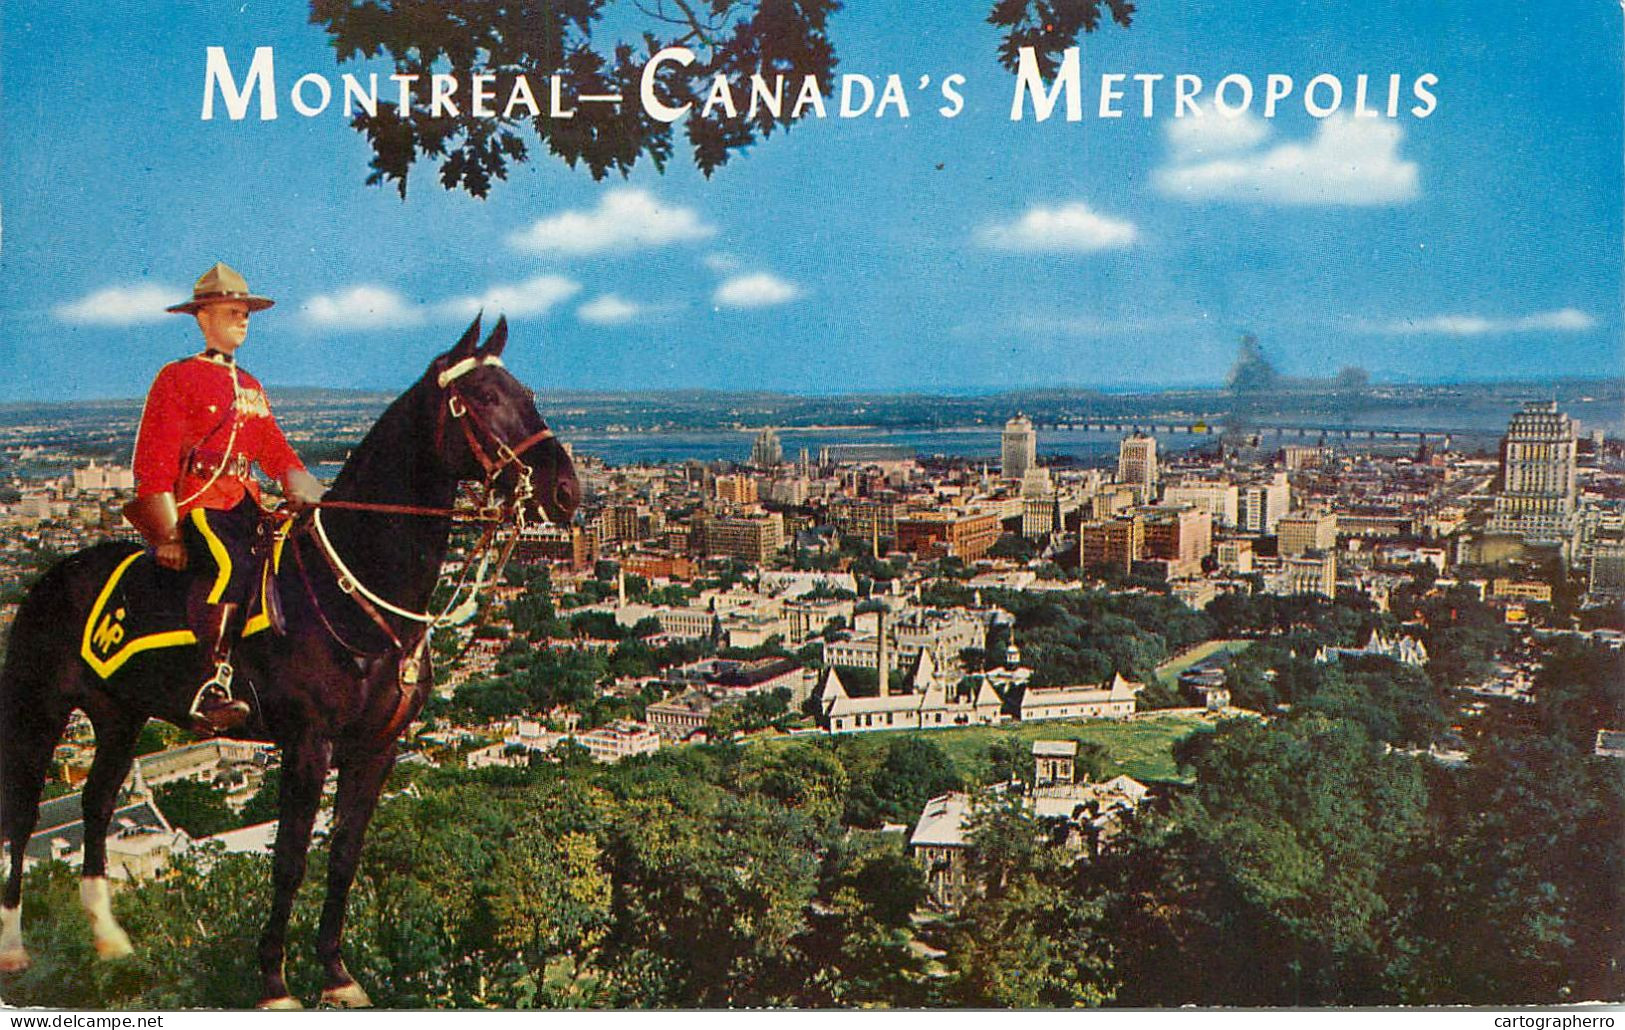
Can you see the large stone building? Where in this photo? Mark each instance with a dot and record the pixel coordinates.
(1404, 649)
(630, 523)
(948, 534)
(1261, 504)
(1221, 500)
(1308, 574)
(1180, 535)
(546, 542)
(766, 451)
(1537, 490)
(866, 519)
(95, 478)
(806, 618)
(1020, 450)
(1235, 556)
(931, 702)
(753, 537)
(1113, 699)
(942, 632)
(1137, 466)
(1118, 542)
(736, 490)
(619, 740)
(681, 717)
(1306, 531)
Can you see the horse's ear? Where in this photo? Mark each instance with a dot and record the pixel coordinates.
(465, 346)
(497, 340)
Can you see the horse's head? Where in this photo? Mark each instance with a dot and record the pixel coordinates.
(488, 426)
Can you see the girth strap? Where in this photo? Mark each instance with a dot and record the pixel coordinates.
(332, 631)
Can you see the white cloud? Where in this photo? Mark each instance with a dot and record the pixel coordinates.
(625, 219)
(516, 300)
(120, 305)
(758, 290)
(610, 309)
(1214, 132)
(362, 307)
(721, 263)
(1568, 320)
(1351, 162)
(1070, 228)
(379, 307)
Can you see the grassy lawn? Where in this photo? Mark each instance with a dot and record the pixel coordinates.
(1142, 748)
(1169, 672)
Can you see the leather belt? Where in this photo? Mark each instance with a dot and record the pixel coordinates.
(238, 466)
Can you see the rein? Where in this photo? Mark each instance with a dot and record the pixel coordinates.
(481, 513)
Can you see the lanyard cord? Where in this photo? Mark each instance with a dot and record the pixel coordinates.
(231, 441)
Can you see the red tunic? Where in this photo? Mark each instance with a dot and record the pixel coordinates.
(187, 433)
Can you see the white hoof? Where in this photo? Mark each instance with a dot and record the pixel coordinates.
(115, 944)
(286, 1003)
(349, 996)
(97, 899)
(13, 959)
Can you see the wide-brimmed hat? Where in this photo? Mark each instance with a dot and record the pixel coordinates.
(221, 283)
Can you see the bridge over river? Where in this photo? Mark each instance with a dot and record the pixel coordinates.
(1310, 433)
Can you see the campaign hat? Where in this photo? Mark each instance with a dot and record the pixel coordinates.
(221, 283)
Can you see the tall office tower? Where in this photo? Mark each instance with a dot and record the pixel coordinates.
(1261, 504)
(1537, 494)
(1137, 465)
(1020, 447)
(739, 490)
(1119, 542)
(766, 451)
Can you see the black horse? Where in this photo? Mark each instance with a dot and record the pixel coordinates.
(335, 690)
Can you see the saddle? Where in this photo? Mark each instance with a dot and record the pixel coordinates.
(141, 606)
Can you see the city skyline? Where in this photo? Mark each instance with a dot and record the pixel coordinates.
(928, 254)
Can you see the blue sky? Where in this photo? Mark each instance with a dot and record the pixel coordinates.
(1481, 242)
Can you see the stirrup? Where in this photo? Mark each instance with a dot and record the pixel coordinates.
(221, 681)
(214, 710)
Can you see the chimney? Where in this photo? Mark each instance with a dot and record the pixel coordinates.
(882, 654)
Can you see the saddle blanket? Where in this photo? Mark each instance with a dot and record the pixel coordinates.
(142, 607)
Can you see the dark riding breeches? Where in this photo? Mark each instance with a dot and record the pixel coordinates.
(220, 552)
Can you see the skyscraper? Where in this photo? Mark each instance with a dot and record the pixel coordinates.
(1537, 494)
(1137, 465)
(766, 451)
(1020, 447)
(1261, 504)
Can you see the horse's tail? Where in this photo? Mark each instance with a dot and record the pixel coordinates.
(34, 703)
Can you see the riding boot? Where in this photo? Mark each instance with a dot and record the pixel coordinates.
(214, 711)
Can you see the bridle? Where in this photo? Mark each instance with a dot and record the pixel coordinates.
(473, 424)
(495, 455)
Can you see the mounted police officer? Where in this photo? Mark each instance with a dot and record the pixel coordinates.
(205, 424)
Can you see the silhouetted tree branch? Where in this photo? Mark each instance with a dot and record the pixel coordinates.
(564, 40)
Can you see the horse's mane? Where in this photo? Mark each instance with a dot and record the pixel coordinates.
(375, 465)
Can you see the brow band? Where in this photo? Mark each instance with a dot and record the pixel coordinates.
(465, 366)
